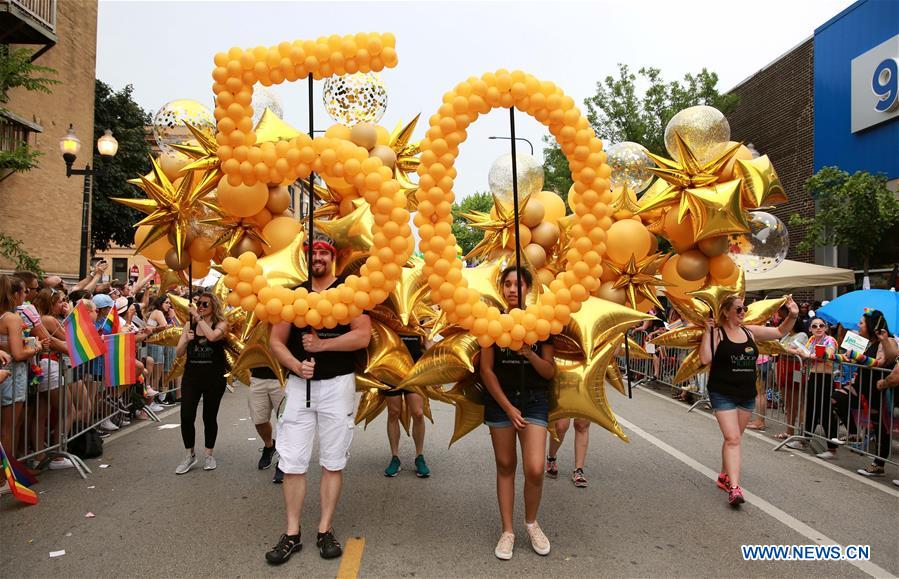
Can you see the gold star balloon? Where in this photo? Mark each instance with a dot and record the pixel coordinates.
(499, 231)
(638, 278)
(400, 310)
(450, 360)
(467, 397)
(286, 267)
(256, 353)
(760, 184)
(271, 128)
(624, 202)
(484, 278)
(597, 320)
(171, 209)
(690, 188)
(407, 160)
(352, 234)
(203, 152)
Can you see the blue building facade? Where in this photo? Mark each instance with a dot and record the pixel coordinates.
(856, 89)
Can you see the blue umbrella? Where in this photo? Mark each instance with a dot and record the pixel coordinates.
(848, 308)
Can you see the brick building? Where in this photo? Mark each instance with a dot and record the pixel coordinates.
(802, 110)
(42, 207)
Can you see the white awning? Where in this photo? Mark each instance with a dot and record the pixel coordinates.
(796, 274)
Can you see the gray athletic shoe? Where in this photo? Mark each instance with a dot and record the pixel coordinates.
(186, 464)
(210, 463)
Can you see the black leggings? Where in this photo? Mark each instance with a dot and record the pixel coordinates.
(878, 412)
(818, 406)
(191, 391)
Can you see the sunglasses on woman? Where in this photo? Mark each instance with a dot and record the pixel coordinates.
(203, 304)
(816, 326)
(741, 309)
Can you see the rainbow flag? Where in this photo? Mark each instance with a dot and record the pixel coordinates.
(110, 325)
(82, 339)
(19, 490)
(119, 362)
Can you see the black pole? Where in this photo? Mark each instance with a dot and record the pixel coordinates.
(627, 366)
(85, 223)
(190, 303)
(517, 229)
(310, 228)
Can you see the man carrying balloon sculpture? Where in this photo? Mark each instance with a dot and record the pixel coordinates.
(324, 359)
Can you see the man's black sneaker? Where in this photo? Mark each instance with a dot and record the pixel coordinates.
(287, 546)
(328, 546)
(279, 476)
(265, 461)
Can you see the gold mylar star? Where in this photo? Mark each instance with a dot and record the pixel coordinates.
(352, 234)
(498, 231)
(639, 278)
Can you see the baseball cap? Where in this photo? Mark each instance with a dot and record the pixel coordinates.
(103, 301)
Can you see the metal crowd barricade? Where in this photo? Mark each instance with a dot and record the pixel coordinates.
(41, 414)
(833, 403)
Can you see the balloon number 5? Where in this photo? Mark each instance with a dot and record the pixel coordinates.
(248, 166)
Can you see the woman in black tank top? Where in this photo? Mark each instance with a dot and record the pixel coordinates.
(730, 348)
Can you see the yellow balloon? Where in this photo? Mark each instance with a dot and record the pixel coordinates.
(553, 206)
(156, 250)
(626, 239)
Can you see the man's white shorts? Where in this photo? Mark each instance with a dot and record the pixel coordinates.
(265, 396)
(331, 411)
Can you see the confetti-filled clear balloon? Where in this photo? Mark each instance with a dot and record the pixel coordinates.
(629, 163)
(764, 247)
(530, 177)
(355, 98)
(168, 122)
(701, 127)
(265, 98)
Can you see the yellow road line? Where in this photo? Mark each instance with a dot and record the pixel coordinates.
(352, 558)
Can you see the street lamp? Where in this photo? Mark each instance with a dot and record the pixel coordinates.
(531, 145)
(70, 146)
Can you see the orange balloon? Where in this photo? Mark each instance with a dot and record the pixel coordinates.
(545, 276)
(242, 200)
(678, 286)
(679, 234)
(731, 279)
(742, 154)
(533, 213)
(722, 267)
(280, 232)
(607, 292)
(692, 265)
(171, 162)
(525, 234)
(713, 246)
(278, 200)
(627, 238)
(200, 249)
(199, 269)
(262, 218)
(156, 250)
(545, 234)
(553, 206)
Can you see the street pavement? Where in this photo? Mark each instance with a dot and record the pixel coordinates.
(651, 510)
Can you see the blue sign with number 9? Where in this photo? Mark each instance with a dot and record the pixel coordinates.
(885, 85)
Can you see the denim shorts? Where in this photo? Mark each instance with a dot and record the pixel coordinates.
(533, 404)
(15, 388)
(725, 402)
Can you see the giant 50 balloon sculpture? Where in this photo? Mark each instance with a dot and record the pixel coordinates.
(220, 196)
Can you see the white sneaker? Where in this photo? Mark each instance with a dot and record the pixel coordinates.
(186, 464)
(827, 455)
(796, 445)
(539, 541)
(504, 546)
(157, 407)
(61, 463)
(210, 463)
(896, 481)
(108, 426)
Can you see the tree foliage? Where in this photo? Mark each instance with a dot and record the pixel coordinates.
(17, 70)
(466, 236)
(854, 211)
(619, 112)
(110, 221)
(13, 250)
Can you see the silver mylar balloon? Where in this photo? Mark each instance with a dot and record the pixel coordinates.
(629, 163)
(764, 247)
(530, 177)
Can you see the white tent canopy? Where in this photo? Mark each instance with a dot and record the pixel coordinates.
(796, 274)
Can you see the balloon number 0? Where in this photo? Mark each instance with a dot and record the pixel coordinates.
(885, 84)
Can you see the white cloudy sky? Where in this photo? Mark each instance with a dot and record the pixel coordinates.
(165, 49)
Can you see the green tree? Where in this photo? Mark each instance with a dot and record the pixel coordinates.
(110, 221)
(618, 112)
(466, 236)
(17, 70)
(854, 211)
